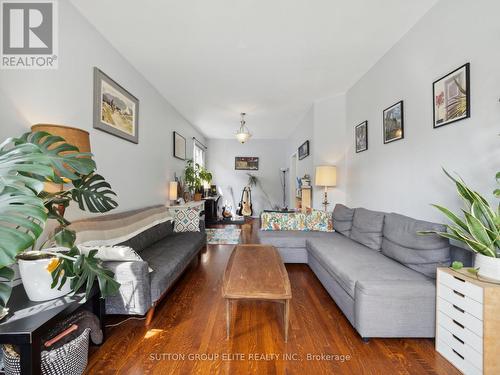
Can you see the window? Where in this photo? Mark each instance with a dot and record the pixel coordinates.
(198, 153)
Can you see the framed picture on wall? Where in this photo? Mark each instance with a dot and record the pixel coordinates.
(393, 120)
(116, 111)
(304, 150)
(246, 163)
(361, 136)
(451, 97)
(179, 146)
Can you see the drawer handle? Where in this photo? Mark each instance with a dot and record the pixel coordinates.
(458, 324)
(459, 279)
(459, 294)
(459, 309)
(458, 339)
(457, 353)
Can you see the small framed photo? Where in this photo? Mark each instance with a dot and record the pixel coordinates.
(304, 150)
(179, 146)
(116, 111)
(246, 163)
(451, 97)
(361, 136)
(393, 122)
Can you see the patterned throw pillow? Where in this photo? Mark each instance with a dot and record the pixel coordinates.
(279, 221)
(320, 221)
(187, 220)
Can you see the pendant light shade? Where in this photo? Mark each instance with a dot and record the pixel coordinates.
(243, 134)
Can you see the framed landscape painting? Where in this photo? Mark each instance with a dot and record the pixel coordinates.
(246, 163)
(116, 111)
(451, 97)
(393, 119)
(361, 136)
(304, 150)
(179, 146)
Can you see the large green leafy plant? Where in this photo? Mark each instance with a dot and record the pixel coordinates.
(478, 225)
(195, 175)
(26, 163)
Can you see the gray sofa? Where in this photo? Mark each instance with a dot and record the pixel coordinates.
(379, 271)
(165, 256)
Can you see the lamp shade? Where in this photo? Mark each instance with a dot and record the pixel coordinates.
(172, 191)
(326, 175)
(74, 136)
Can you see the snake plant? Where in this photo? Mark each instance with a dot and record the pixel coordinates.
(478, 225)
(26, 164)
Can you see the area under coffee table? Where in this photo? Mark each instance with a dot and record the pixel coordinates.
(256, 272)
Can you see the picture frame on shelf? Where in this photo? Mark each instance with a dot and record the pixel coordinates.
(451, 97)
(179, 146)
(361, 137)
(116, 110)
(393, 122)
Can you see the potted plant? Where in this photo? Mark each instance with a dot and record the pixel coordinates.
(194, 177)
(478, 227)
(26, 164)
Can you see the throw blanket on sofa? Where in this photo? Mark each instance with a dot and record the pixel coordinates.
(117, 228)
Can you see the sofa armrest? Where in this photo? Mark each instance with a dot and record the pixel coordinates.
(202, 224)
(396, 308)
(134, 295)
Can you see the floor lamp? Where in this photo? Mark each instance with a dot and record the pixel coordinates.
(326, 176)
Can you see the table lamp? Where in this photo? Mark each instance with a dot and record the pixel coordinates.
(73, 136)
(326, 176)
(172, 192)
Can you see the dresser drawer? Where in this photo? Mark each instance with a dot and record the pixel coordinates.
(462, 334)
(466, 319)
(460, 300)
(456, 359)
(462, 286)
(461, 346)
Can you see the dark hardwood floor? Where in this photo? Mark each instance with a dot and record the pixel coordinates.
(188, 336)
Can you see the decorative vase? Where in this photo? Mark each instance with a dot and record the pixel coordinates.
(197, 197)
(37, 278)
(489, 267)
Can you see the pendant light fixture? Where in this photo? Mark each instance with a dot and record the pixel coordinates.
(243, 134)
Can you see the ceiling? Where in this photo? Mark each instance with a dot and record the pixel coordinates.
(269, 58)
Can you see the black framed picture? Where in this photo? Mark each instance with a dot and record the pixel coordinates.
(246, 163)
(304, 150)
(179, 146)
(361, 136)
(451, 97)
(116, 111)
(393, 120)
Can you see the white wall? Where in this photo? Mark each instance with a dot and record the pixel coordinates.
(324, 127)
(138, 173)
(271, 153)
(405, 176)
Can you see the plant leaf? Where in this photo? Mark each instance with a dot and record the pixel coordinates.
(94, 194)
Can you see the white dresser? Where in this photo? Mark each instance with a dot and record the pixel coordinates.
(468, 322)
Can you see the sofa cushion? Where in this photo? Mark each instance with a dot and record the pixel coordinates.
(169, 257)
(187, 219)
(150, 236)
(423, 253)
(367, 228)
(276, 221)
(288, 239)
(342, 219)
(348, 262)
(319, 221)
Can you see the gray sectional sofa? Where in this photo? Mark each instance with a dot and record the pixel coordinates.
(379, 271)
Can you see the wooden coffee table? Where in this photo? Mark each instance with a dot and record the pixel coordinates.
(256, 272)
